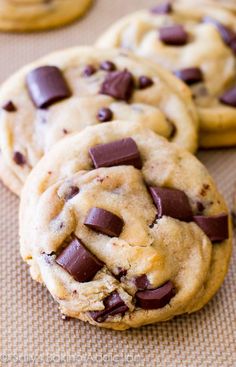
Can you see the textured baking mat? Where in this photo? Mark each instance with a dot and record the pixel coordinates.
(31, 330)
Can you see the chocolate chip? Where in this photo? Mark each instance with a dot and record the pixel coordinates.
(155, 298)
(171, 202)
(108, 66)
(142, 282)
(189, 75)
(89, 70)
(121, 273)
(79, 261)
(164, 8)
(215, 227)
(9, 107)
(113, 305)
(173, 35)
(119, 85)
(233, 214)
(200, 207)
(227, 34)
(19, 158)
(46, 85)
(117, 153)
(71, 192)
(229, 97)
(145, 82)
(103, 221)
(104, 114)
(65, 131)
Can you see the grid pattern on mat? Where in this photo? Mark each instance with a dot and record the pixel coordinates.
(31, 331)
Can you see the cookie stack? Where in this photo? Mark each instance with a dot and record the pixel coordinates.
(118, 219)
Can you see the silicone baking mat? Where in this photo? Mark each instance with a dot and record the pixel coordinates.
(32, 332)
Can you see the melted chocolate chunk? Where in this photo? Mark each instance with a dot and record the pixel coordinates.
(189, 75)
(171, 202)
(145, 82)
(155, 298)
(9, 107)
(19, 158)
(89, 70)
(142, 282)
(108, 66)
(104, 114)
(173, 35)
(71, 192)
(117, 153)
(227, 34)
(103, 221)
(113, 305)
(164, 8)
(46, 85)
(77, 260)
(229, 97)
(215, 227)
(119, 85)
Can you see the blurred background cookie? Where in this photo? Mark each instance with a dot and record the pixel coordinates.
(33, 15)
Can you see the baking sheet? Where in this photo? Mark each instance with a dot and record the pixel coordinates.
(32, 332)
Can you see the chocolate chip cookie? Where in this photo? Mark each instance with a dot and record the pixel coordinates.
(33, 15)
(196, 40)
(123, 227)
(69, 90)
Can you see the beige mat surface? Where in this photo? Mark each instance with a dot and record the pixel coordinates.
(31, 330)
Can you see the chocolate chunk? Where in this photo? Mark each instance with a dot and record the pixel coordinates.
(171, 202)
(200, 207)
(89, 70)
(9, 107)
(79, 261)
(101, 220)
(142, 282)
(121, 273)
(46, 85)
(145, 82)
(229, 97)
(155, 298)
(189, 75)
(113, 305)
(108, 66)
(19, 158)
(117, 153)
(71, 192)
(215, 227)
(119, 85)
(227, 34)
(173, 35)
(164, 8)
(104, 114)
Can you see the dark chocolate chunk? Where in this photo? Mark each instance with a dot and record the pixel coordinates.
(19, 158)
(118, 84)
(104, 114)
(117, 153)
(108, 66)
(113, 305)
(9, 107)
(145, 82)
(142, 282)
(71, 192)
(121, 273)
(171, 202)
(200, 207)
(164, 8)
(189, 75)
(155, 298)
(46, 85)
(89, 70)
(215, 227)
(228, 35)
(173, 35)
(103, 221)
(229, 97)
(79, 261)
